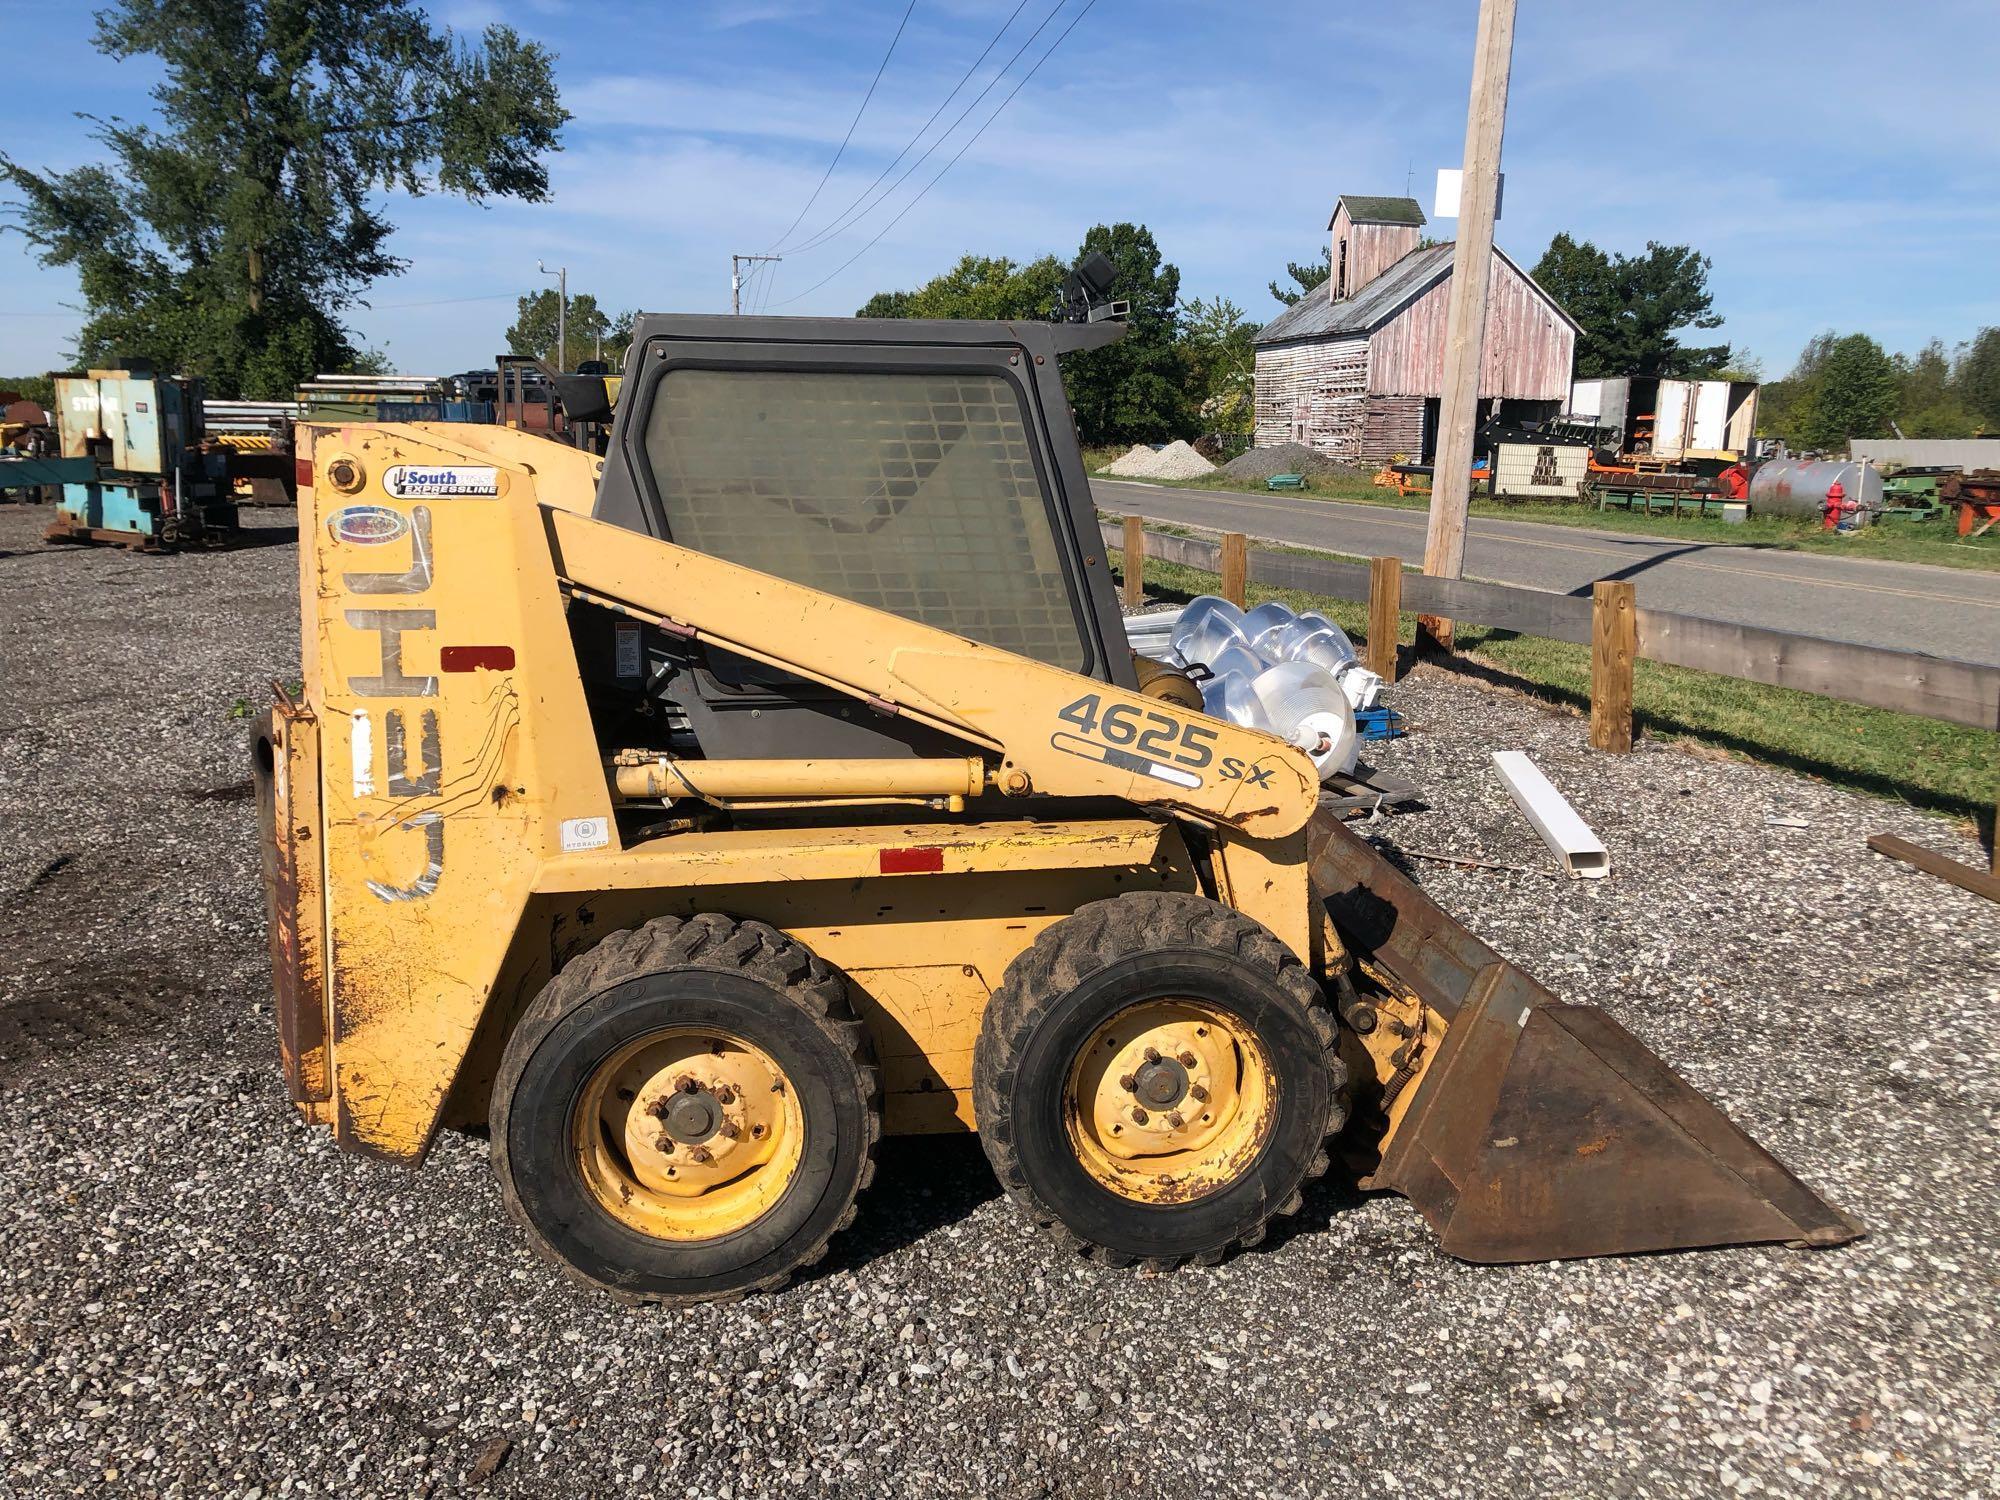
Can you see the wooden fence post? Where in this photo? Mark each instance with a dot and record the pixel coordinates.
(1135, 559)
(1235, 569)
(1614, 642)
(1385, 608)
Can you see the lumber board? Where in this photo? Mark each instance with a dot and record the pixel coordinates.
(1933, 863)
(1911, 682)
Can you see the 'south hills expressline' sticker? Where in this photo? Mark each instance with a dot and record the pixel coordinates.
(367, 525)
(441, 482)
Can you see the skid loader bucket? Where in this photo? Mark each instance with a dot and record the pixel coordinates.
(1540, 1130)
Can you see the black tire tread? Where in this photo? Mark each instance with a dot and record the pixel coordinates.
(709, 940)
(1100, 933)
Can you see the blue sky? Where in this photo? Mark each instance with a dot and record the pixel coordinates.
(1818, 151)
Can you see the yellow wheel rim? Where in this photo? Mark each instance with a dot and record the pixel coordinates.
(688, 1134)
(1170, 1101)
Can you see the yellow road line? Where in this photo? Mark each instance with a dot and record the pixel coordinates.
(1678, 562)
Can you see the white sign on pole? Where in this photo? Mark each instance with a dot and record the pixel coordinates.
(1451, 182)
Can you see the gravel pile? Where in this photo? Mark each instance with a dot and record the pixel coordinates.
(1175, 461)
(1280, 458)
(200, 1295)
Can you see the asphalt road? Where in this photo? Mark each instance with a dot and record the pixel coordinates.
(1909, 606)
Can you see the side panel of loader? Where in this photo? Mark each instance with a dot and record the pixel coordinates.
(434, 636)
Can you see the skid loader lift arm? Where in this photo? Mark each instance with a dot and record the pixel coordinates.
(1054, 734)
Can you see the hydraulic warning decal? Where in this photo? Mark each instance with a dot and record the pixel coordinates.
(1141, 740)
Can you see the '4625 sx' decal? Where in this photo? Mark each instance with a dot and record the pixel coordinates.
(1148, 742)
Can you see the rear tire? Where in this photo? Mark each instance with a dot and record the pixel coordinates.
(757, 1032)
(1085, 1130)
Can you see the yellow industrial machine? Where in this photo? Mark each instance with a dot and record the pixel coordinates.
(696, 814)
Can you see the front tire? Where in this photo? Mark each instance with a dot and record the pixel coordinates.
(1155, 1079)
(687, 1112)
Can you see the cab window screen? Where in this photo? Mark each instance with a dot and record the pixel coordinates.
(912, 492)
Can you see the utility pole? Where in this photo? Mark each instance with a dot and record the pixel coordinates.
(561, 273)
(1465, 327)
(736, 264)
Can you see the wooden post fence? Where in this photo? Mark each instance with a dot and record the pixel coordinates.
(1135, 559)
(1614, 643)
(1235, 568)
(1385, 609)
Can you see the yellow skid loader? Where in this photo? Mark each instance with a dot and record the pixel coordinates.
(695, 814)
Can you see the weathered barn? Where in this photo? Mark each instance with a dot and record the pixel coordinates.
(1356, 369)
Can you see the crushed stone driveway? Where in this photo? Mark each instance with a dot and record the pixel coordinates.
(201, 1296)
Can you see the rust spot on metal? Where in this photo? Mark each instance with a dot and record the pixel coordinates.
(1591, 1148)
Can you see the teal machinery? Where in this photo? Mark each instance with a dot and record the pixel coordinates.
(134, 467)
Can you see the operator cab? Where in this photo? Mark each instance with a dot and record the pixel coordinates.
(926, 468)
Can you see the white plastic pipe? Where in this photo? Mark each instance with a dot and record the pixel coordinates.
(1580, 850)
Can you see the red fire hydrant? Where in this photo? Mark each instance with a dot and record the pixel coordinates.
(1836, 502)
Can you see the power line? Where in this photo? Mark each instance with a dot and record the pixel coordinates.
(964, 79)
(953, 162)
(842, 226)
(850, 126)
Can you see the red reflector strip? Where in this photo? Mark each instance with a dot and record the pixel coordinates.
(302, 472)
(476, 659)
(921, 861)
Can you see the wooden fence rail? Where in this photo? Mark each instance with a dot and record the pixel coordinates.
(1619, 633)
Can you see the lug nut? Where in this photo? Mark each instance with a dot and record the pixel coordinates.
(698, 1155)
(1174, 1120)
(1188, 1059)
(729, 1130)
(1139, 1116)
(686, 1083)
(1129, 1083)
(664, 1145)
(725, 1095)
(1198, 1093)
(1152, 1054)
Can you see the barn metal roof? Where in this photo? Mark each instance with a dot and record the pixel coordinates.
(1365, 210)
(1314, 316)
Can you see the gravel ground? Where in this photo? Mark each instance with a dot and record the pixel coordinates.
(1284, 458)
(201, 1296)
(1175, 461)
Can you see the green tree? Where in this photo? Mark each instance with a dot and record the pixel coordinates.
(228, 239)
(1632, 309)
(39, 389)
(1851, 394)
(886, 305)
(1216, 340)
(1308, 276)
(1135, 390)
(1781, 403)
(979, 286)
(1976, 382)
(535, 326)
(1927, 400)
